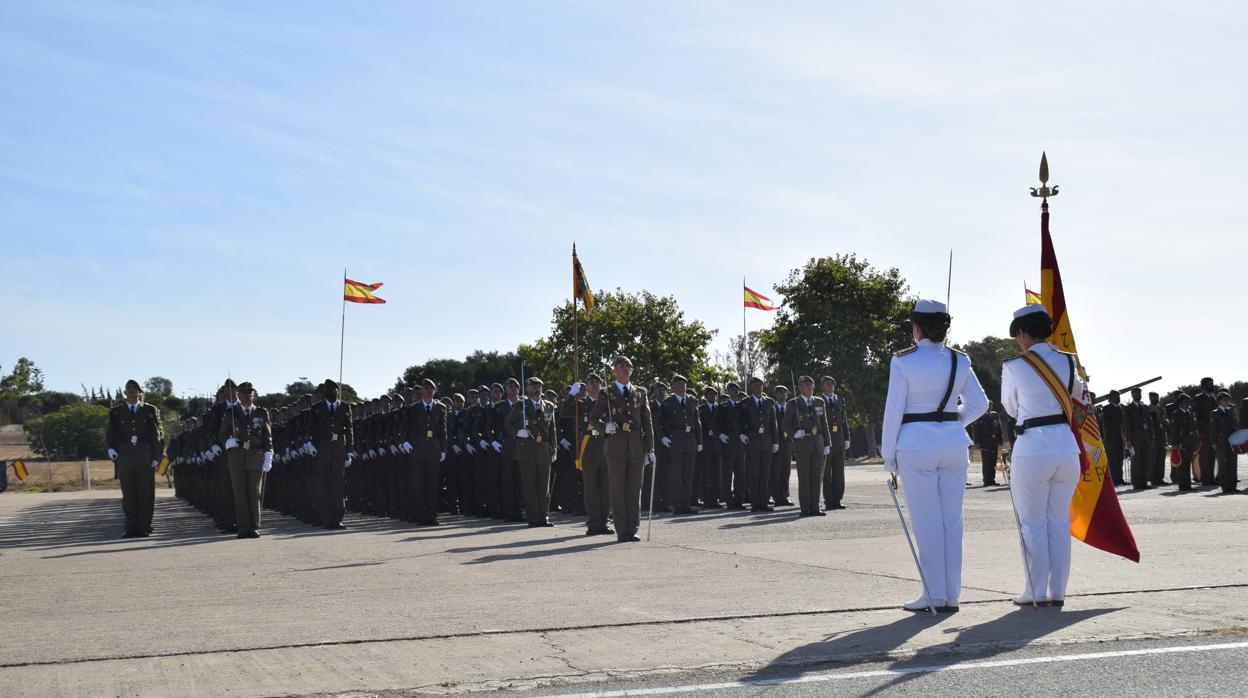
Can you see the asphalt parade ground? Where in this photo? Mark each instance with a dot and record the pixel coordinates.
(723, 603)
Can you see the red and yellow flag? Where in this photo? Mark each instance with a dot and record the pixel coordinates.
(356, 292)
(1033, 298)
(754, 299)
(19, 469)
(1095, 516)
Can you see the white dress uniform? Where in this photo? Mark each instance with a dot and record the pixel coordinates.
(1044, 468)
(933, 395)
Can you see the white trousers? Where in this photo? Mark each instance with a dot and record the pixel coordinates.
(1042, 487)
(934, 482)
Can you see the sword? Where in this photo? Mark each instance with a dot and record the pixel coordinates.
(1022, 543)
(654, 476)
(892, 490)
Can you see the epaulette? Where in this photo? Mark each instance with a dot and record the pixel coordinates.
(958, 352)
(1013, 358)
(908, 350)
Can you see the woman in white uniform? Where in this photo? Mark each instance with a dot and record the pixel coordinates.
(933, 396)
(1044, 465)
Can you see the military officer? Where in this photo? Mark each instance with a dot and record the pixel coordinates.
(988, 437)
(1185, 436)
(682, 440)
(1137, 430)
(924, 439)
(1111, 432)
(531, 425)
(782, 460)
(623, 414)
(732, 482)
(806, 421)
(332, 444)
(508, 474)
(709, 460)
(838, 444)
(1224, 424)
(1160, 425)
(426, 443)
(1205, 404)
(580, 403)
(136, 443)
(248, 437)
(658, 474)
(760, 436)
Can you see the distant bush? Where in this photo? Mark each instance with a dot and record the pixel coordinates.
(74, 430)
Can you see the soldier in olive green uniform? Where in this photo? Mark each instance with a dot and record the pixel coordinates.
(623, 414)
(782, 461)
(136, 444)
(658, 473)
(426, 434)
(837, 443)
(709, 461)
(806, 421)
(532, 425)
(248, 438)
(580, 403)
(1224, 424)
(682, 438)
(761, 438)
(332, 436)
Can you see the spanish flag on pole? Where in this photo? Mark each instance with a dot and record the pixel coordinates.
(1033, 298)
(19, 469)
(1095, 516)
(754, 299)
(356, 292)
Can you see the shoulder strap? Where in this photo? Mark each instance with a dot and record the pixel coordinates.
(1070, 385)
(1052, 381)
(953, 372)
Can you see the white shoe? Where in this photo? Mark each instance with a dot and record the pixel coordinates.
(921, 604)
(1026, 600)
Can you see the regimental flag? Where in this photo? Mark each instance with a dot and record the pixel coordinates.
(1095, 517)
(1033, 298)
(163, 467)
(580, 285)
(754, 299)
(19, 469)
(356, 292)
(1051, 293)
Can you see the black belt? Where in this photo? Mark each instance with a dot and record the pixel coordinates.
(930, 417)
(1042, 422)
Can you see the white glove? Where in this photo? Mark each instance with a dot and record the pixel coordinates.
(471, 451)
(371, 453)
(522, 434)
(311, 449)
(610, 428)
(267, 465)
(890, 466)
(846, 445)
(484, 444)
(407, 447)
(745, 439)
(576, 389)
(650, 459)
(498, 448)
(699, 448)
(216, 450)
(775, 448)
(827, 450)
(112, 454)
(442, 457)
(456, 449)
(155, 464)
(666, 441)
(723, 438)
(350, 457)
(394, 450)
(206, 455)
(799, 433)
(231, 443)
(567, 445)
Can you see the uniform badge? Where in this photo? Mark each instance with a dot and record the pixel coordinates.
(134, 441)
(537, 438)
(333, 436)
(628, 426)
(762, 429)
(688, 429)
(429, 434)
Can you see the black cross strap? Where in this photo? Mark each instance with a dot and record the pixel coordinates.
(940, 415)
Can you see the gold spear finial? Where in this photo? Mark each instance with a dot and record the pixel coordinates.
(1044, 190)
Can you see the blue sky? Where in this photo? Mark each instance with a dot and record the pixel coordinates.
(182, 184)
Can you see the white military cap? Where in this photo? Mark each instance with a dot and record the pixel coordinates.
(1029, 309)
(928, 306)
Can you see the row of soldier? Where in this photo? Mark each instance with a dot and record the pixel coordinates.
(491, 453)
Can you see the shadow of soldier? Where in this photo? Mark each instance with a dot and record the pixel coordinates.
(1010, 632)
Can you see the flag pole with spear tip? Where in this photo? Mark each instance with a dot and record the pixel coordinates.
(342, 339)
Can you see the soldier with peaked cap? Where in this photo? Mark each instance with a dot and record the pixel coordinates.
(838, 444)
(782, 460)
(760, 435)
(1185, 436)
(505, 446)
(732, 483)
(1204, 405)
(709, 460)
(1044, 466)
(136, 443)
(1111, 431)
(925, 440)
(806, 422)
(531, 424)
(248, 437)
(682, 439)
(1137, 428)
(623, 414)
(581, 402)
(1223, 425)
(426, 442)
(1160, 422)
(332, 439)
(658, 474)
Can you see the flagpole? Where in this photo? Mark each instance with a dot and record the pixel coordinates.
(745, 336)
(342, 339)
(949, 283)
(576, 365)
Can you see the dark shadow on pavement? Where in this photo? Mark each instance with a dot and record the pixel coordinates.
(534, 554)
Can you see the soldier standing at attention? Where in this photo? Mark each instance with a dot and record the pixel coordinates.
(1160, 423)
(248, 438)
(531, 423)
(657, 476)
(987, 434)
(1184, 435)
(782, 460)
(333, 443)
(682, 439)
(1137, 428)
(426, 431)
(838, 443)
(623, 414)
(1111, 432)
(581, 400)
(761, 439)
(709, 461)
(1205, 404)
(135, 442)
(732, 481)
(508, 476)
(806, 420)
(1223, 426)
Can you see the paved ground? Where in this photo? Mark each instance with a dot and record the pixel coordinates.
(474, 606)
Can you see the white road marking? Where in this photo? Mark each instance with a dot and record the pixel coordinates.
(926, 669)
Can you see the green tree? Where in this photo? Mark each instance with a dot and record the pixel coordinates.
(76, 430)
(987, 355)
(651, 330)
(303, 386)
(455, 376)
(844, 318)
(25, 379)
(158, 385)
